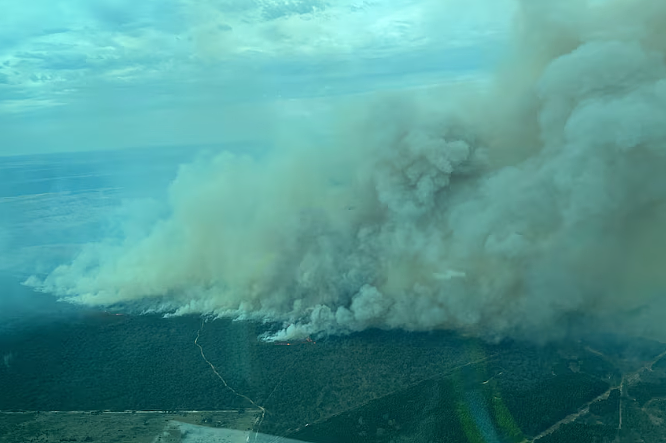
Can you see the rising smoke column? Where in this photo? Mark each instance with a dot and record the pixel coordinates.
(514, 211)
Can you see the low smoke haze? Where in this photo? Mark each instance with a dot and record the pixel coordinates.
(529, 204)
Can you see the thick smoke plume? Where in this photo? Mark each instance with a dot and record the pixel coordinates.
(521, 209)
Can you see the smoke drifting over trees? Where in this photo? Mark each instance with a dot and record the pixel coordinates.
(523, 209)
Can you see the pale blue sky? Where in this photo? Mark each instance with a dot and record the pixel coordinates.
(105, 74)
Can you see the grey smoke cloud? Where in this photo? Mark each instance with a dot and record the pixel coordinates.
(506, 211)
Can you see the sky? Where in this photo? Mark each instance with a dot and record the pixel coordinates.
(79, 75)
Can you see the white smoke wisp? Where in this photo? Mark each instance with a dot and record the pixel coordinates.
(506, 212)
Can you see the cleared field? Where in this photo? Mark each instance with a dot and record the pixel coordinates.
(129, 426)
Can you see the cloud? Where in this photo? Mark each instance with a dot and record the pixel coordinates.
(57, 61)
(280, 9)
(57, 57)
(311, 27)
(525, 208)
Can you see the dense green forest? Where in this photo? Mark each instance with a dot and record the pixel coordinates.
(384, 386)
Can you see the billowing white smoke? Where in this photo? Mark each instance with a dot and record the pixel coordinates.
(507, 212)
